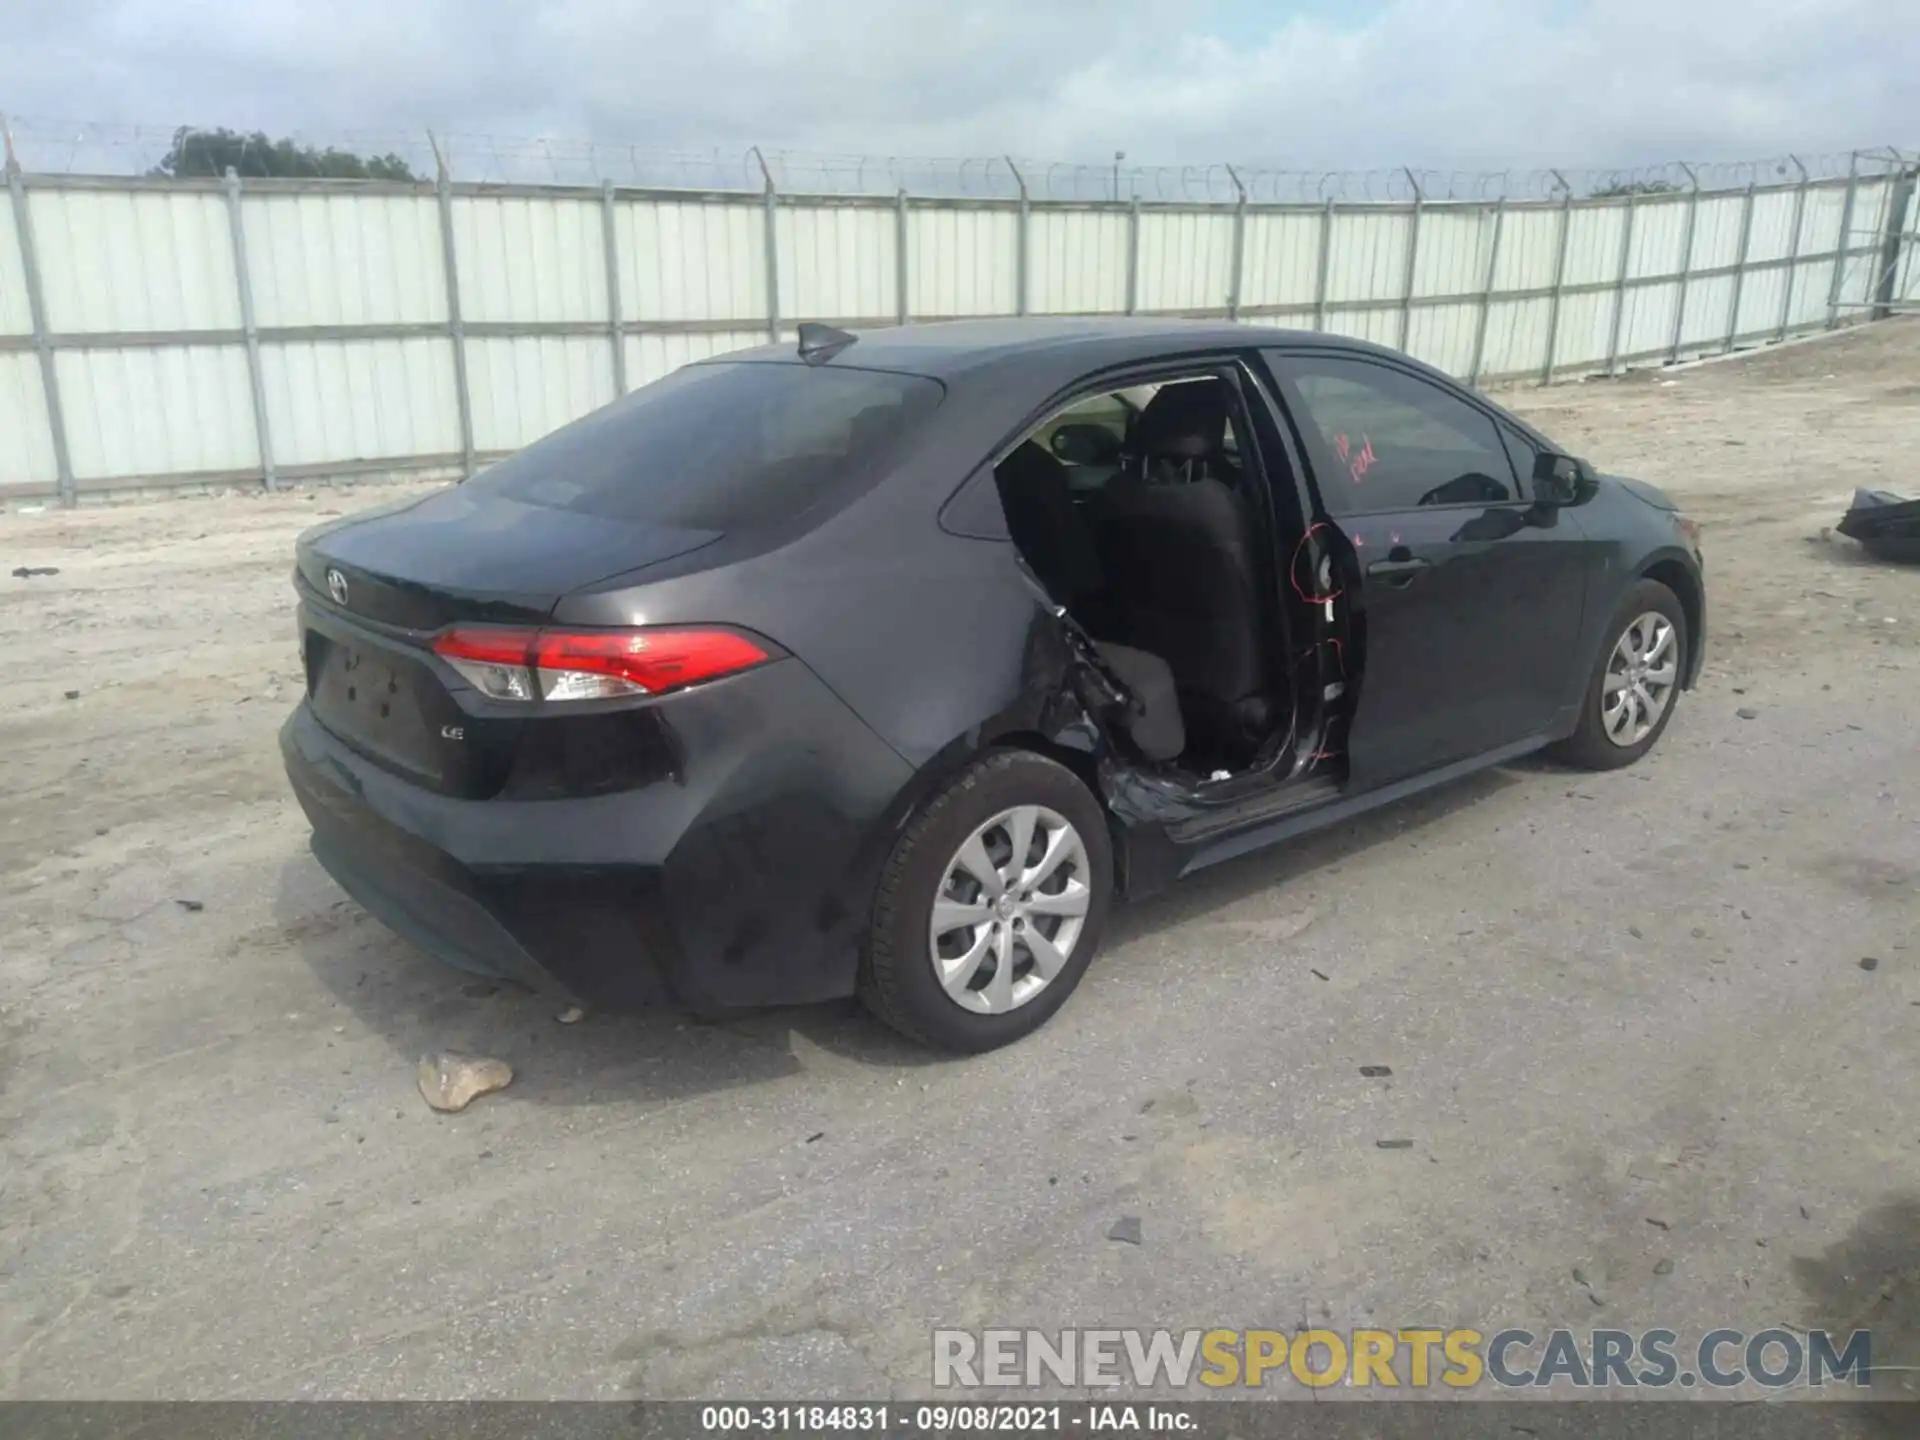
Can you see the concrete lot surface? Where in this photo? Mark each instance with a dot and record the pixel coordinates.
(1626, 1016)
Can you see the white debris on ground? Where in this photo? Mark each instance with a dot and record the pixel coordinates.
(450, 1081)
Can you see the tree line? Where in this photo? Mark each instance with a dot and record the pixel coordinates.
(258, 157)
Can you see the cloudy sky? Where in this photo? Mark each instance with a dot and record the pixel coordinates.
(1305, 84)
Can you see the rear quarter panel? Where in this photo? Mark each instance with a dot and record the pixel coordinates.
(935, 642)
(926, 635)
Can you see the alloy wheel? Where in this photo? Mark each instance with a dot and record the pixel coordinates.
(1641, 674)
(1010, 910)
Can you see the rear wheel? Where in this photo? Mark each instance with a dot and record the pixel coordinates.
(1633, 690)
(991, 906)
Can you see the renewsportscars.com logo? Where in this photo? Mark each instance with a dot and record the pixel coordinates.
(1396, 1359)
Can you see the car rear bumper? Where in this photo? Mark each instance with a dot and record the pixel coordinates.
(744, 879)
(434, 870)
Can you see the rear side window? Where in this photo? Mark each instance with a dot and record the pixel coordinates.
(1398, 442)
(724, 447)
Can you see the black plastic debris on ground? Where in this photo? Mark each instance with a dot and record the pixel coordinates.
(1887, 527)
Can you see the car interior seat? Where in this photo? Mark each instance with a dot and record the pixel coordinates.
(1176, 538)
(1046, 526)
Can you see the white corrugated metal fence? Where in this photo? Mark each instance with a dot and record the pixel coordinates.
(178, 332)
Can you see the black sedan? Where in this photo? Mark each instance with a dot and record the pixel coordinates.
(884, 664)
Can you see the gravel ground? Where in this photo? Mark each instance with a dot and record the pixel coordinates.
(1627, 1018)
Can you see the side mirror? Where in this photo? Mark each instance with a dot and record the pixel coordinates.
(1561, 480)
(1083, 444)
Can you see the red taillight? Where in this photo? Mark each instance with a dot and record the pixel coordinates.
(520, 664)
(651, 660)
(488, 646)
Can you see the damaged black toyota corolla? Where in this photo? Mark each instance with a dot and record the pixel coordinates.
(882, 665)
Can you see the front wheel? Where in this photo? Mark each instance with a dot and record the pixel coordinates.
(991, 906)
(1633, 690)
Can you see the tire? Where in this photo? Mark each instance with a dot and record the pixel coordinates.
(898, 978)
(1591, 747)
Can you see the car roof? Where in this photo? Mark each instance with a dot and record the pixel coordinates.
(947, 349)
(1043, 353)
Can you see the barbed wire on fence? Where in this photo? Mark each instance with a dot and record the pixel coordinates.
(51, 146)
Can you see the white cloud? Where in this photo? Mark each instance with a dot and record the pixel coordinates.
(1432, 83)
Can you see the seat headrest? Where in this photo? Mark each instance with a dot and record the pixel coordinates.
(1184, 421)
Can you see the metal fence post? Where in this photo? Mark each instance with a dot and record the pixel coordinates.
(1899, 285)
(1900, 282)
(1326, 257)
(37, 315)
(901, 300)
(1559, 277)
(610, 249)
(456, 327)
(1909, 235)
(1021, 240)
(243, 278)
(1845, 243)
(1686, 265)
(1893, 237)
(1239, 246)
(1413, 259)
(769, 205)
(1620, 286)
(1793, 249)
(1133, 255)
(1486, 293)
(1740, 267)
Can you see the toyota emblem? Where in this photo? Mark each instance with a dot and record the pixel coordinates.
(337, 587)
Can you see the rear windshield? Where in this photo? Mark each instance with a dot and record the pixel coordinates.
(718, 447)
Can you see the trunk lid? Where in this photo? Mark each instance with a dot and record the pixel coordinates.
(465, 554)
(376, 587)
